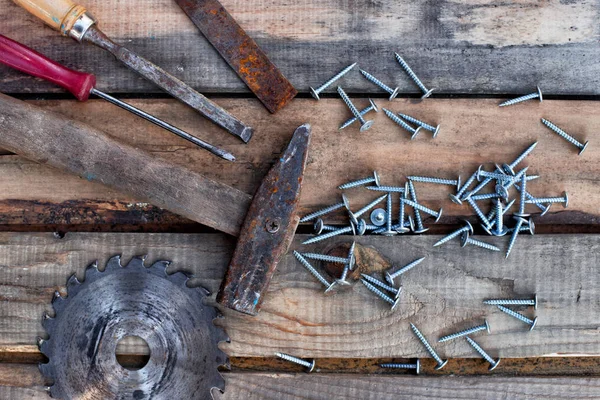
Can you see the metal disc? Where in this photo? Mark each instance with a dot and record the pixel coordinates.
(133, 300)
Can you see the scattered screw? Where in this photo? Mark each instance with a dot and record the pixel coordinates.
(486, 196)
(324, 211)
(416, 366)
(479, 213)
(382, 295)
(354, 216)
(513, 236)
(493, 175)
(403, 124)
(430, 349)
(315, 92)
(389, 277)
(536, 95)
(352, 228)
(434, 129)
(378, 217)
(483, 327)
(361, 182)
(540, 200)
(430, 179)
(409, 71)
(513, 302)
(372, 106)
(466, 239)
(530, 227)
(393, 189)
(313, 271)
(365, 125)
(296, 360)
(382, 285)
(400, 228)
(427, 210)
(499, 229)
(393, 92)
(413, 194)
(493, 364)
(389, 231)
(319, 226)
(520, 317)
(522, 198)
(565, 135)
(456, 198)
(510, 167)
(468, 228)
(328, 258)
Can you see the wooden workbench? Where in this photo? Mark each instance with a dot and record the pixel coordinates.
(53, 225)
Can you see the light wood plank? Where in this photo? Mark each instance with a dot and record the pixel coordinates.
(337, 386)
(441, 295)
(472, 132)
(456, 46)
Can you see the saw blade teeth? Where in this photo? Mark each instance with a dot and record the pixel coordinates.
(73, 285)
(46, 370)
(180, 278)
(92, 272)
(58, 302)
(159, 268)
(136, 262)
(113, 263)
(47, 322)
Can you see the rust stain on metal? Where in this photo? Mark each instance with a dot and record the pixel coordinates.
(241, 52)
(261, 244)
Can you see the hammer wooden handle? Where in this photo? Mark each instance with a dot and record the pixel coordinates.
(58, 14)
(51, 139)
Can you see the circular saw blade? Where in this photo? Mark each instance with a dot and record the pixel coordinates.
(132, 300)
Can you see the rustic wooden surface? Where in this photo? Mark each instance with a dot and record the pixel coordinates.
(473, 132)
(456, 46)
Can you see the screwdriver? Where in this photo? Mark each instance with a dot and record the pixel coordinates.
(22, 58)
(74, 21)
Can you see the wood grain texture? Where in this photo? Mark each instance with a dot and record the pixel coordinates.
(24, 382)
(472, 132)
(441, 295)
(456, 46)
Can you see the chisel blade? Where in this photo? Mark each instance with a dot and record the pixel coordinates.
(171, 85)
(241, 52)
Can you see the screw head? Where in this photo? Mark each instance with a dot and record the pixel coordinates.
(353, 218)
(463, 239)
(396, 302)
(479, 170)
(421, 230)
(518, 215)
(583, 148)
(566, 203)
(366, 126)
(440, 366)
(342, 282)
(346, 202)
(501, 191)
(487, 326)
(535, 302)
(318, 226)
(504, 231)
(494, 365)
(540, 93)
(414, 135)
(468, 224)
(426, 95)
(394, 94)
(508, 169)
(418, 369)
(402, 229)
(531, 226)
(312, 366)
(455, 199)
(374, 105)
(545, 210)
(314, 93)
(534, 323)
(272, 225)
(376, 176)
(437, 130)
(378, 217)
(439, 216)
(411, 222)
(388, 278)
(458, 183)
(390, 232)
(486, 229)
(362, 227)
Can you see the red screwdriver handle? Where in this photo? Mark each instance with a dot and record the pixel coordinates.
(27, 60)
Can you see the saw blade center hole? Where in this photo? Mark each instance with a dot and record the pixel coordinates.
(132, 352)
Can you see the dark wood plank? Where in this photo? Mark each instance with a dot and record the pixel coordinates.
(455, 46)
(441, 295)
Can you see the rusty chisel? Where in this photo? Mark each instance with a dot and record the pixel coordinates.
(241, 52)
(74, 20)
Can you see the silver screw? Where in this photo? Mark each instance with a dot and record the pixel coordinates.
(361, 182)
(513, 302)
(416, 366)
(413, 194)
(536, 95)
(382, 285)
(326, 258)
(522, 198)
(409, 71)
(378, 217)
(542, 207)
(382, 295)
(483, 327)
(393, 92)
(360, 226)
(494, 175)
(365, 125)
(431, 179)
(372, 106)
(315, 92)
(520, 317)
(499, 230)
(493, 364)
(468, 228)
(319, 226)
(430, 349)
(456, 198)
(403, 124)
(466, 239)
(427, 210)
(354, 216)
(351, 256)
(510, 167)
(434, 129)
(389, 277)
(389, 231)
(565, 135)
(296, 360)
(313, 271)
(479, 213)
(486, 196)
(393, 189)
(400, 228)
(513, 236)
(530, 227)
(324, 211)
(541, 200)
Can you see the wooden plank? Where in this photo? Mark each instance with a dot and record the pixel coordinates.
(455, 46)
(442, 295)
(16, 385)
(473, 132)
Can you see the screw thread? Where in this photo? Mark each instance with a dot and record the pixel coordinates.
(328, 235)
(413, 195)
(542, 200)
(393, 189)
(345, 272)
(430, 179)
(359, 182)
(468, 183)
(421, 207)
(321, 212)
(377, 292)
(399, 121)
(389, 212)
(523, 155)
(513, 237)
(325, 257)
(334, 78)
(350, 105)
(376, 81)
(402, 211)
(398, 366)
(382, 285)
(424, 125)
(520, 99)
(480, 186)
(479, 212)
(352, 120)
(484, 245)
(499, 217)
(369, 206)
(423, 340)
(410, 73)
(407, 267)
(562, 133)
(293, 359)
(465, 332)
(510, 302)
(495, 175)
(486, 196)
(522, 197)
(451, 236)
(481, 351)
(529, 196)
(515, 314)
(312, 269)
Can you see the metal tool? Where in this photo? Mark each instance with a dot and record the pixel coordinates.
(241, 52)
(74, 21)
(566, 136)
(125, 301)
(315, 92)
(416, 366)
(268, 229)
(483, 327)
(81, 85)
(402, 123)
(486, 356)
(310, 366)
(535, 95)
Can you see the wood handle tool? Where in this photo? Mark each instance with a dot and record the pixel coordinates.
(81, 85)
(74, 21)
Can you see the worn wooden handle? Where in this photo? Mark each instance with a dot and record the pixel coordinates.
(59, 14)
(52, 139)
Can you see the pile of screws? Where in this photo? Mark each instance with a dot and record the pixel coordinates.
(402, 120)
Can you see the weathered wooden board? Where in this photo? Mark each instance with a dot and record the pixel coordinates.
(472, 132)
(456, 46)
(24, 382)
(441, 295)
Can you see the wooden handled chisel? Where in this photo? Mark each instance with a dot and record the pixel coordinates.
(74, 21)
